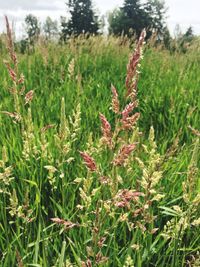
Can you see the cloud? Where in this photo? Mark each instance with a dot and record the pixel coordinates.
(32, 5)
(16, 10)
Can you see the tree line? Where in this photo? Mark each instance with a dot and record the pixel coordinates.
(129, 20)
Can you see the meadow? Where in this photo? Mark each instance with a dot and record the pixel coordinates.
(91, 176)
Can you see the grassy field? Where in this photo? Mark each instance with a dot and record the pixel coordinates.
(130, 198)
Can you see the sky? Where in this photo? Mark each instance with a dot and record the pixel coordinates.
(182, 12)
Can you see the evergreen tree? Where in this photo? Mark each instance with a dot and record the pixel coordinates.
(186, 40)
(189, 34)
(137, 15)
(82, 19)
(156, 11)
(131, 16)
(167, 38)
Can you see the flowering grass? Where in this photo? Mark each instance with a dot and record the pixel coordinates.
(94, 174)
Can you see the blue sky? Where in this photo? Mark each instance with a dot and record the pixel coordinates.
(182, 12)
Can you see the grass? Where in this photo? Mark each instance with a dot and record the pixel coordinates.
(43, 175)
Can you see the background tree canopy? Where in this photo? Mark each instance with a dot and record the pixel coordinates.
(32, 26)
(82, 19)
(129, 20)
(134, 16)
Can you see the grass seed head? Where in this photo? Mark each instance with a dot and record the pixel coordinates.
(89, 161)
(106, 130)
(115, 100)
(132, 68)
(123, 154)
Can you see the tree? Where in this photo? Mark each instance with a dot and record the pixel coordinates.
(166, 38)
(32, 28)
(186, 40)
(182, 41)
(136, 15)
(131, 16)
(156, 11)
(82, 19)
(115, 20)
(64, 29)
(50, 28)
(189, 34)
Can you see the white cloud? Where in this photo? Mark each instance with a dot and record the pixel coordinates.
(16, 10)
(32, 5)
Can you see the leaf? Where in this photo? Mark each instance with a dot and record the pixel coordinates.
(168, 211)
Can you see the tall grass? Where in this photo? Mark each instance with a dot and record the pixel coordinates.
(83, 182)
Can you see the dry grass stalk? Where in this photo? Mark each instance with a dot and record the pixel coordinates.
(11, 71)
(12, 67)
(14, 115)
(86, 263)
(132, 68)
(10, 42)
(29, 97)
(66, 224)
(115, 100)
(106, 131)
(194, 131)
(19, 259)
(47, 127)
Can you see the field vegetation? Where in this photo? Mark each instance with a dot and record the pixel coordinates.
(99, 162)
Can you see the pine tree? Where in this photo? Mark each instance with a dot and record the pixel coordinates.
(130, 18)
(82, 19)
(156, 11)
(136, 15)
